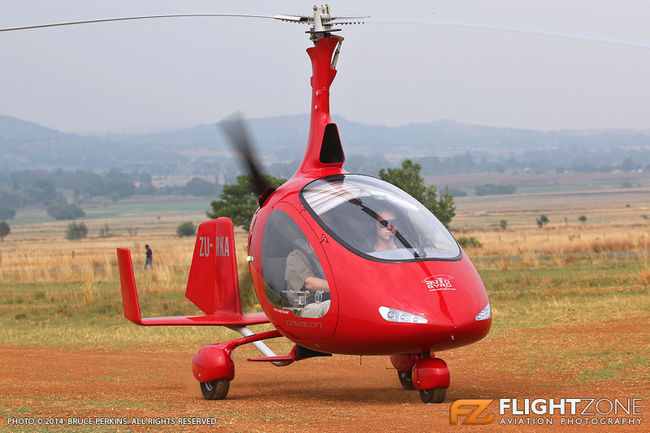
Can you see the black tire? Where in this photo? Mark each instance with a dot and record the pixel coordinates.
(215, 390)
(406, 379)
(436, 395)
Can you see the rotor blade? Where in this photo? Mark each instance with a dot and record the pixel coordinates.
(148, 17)
(235, 129)
(541, 31)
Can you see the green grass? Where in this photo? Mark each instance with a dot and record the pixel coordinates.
(550, 294)
(588, 357)
(560, 304)
(548, 277)
(159, 205)
(147, 213)
(522, 297)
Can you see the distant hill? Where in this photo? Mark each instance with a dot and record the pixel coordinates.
(29, 145)
(282, 140)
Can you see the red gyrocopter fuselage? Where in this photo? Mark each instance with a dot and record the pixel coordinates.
(341, 263)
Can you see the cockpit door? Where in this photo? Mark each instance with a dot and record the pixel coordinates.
(299, 286)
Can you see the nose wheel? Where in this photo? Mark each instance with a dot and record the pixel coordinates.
(422, 372)
(431, 377)
(215, 390)
(436, 395)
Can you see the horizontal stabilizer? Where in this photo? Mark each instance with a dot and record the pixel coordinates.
(210, 320)
(132, 306)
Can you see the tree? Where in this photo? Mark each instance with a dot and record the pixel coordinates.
(76, 231)
(582, 219)
(200, 188)
(408, 178)
(239, 201)
(7, 213)
(628, 164)
(4, 230)
(118, 188)
(42, 191)
(471, 241)
(186, 229)
(503, 224)
(65, 211)
(542, 221)
(105, 231)
(144, 178)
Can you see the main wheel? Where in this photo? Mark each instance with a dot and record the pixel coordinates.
(406, 379)
(436, 395)
(215, 390)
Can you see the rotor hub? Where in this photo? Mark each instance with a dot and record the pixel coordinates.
(322, 22)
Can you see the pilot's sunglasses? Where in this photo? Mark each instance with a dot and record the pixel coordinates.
(386, 223)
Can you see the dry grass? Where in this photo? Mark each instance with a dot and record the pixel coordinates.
(92, 261)
(49, 278)
(86, 261)
(527, 242)
(74, 299)
(83, 275)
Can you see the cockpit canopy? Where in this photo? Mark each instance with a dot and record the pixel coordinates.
(377, 220)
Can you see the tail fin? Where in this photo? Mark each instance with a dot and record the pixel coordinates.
(213, 284)
(129, 293)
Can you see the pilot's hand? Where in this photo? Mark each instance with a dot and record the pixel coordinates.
(315, 284)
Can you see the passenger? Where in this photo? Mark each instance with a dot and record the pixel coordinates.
(303, 273)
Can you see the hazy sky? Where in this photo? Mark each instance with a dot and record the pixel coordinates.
(183, 72)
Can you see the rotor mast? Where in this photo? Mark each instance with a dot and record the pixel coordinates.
(324, 146)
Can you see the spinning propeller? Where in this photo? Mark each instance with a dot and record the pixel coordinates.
(235, 128)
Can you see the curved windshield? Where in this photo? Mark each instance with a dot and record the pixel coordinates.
(374, 218)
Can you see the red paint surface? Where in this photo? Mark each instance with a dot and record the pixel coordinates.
(430, 373)
(360, 286)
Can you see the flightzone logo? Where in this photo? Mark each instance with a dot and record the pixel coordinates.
(542, 411)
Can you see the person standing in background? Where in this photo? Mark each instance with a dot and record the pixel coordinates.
(149, 261)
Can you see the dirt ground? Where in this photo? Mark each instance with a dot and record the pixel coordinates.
(154, 386)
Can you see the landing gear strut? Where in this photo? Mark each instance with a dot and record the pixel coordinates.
(406, 379)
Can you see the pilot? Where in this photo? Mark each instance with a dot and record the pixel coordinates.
(385, 231)
(303, 272)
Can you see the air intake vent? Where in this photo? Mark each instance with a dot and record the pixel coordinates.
(331, 151)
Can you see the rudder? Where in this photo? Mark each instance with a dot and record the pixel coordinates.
(213, 284)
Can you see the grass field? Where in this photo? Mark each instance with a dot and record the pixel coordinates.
(548, 287)
(564, 272)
